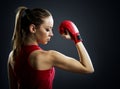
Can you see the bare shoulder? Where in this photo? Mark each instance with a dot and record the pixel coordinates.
(10, 56)
(45, 53)
(10, 59)
(42, 59)
(39, 53)
(52, 54)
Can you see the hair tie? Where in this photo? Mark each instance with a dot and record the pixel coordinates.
(27, 11)
(29, 14)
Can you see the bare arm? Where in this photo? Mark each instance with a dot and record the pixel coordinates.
(11, 76)
(84, 58)
(84, 65)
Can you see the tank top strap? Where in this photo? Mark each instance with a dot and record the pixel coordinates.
(30, 48)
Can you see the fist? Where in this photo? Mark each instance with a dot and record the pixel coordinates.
(68, 26)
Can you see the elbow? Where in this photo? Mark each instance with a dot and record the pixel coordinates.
(86, 71)
(90, 71)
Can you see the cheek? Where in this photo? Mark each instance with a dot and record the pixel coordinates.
(41, 36)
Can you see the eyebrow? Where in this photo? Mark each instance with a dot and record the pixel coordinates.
(50, 27)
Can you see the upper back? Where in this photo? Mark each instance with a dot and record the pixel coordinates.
(26, 68)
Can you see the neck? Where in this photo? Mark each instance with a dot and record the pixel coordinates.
(30, 41)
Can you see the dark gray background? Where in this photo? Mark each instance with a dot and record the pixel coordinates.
(98, 22)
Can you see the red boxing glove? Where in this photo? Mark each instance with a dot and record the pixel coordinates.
(69, 26)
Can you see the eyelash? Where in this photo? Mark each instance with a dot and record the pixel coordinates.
(47, 30)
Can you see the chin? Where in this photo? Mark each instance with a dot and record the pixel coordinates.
(44, 43)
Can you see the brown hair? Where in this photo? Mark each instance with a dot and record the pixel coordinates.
(25, 17)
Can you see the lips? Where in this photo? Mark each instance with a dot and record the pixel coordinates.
(48, 39)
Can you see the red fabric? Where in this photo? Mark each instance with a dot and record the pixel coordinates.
(28, 77)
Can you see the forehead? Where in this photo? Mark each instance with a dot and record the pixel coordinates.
(48, 21)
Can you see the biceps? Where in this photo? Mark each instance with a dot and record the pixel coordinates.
(67, 63)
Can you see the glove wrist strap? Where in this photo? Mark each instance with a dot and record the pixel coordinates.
(77, 38)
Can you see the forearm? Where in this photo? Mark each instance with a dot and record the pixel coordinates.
(69, 30)
(84, 57)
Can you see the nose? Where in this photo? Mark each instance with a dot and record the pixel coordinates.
(51, 33)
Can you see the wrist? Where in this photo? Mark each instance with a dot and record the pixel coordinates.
(77, 39)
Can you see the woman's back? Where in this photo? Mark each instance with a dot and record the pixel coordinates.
(27, 76)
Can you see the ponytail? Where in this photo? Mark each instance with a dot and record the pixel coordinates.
(17, 39)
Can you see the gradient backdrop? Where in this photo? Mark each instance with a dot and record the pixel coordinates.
(98, 22)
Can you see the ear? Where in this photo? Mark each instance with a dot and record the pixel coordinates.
(32, 28)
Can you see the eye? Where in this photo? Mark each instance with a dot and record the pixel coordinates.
(47, 30)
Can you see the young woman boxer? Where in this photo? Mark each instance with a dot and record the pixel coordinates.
(31, 67)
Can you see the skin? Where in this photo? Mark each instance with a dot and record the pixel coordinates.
(43, 60)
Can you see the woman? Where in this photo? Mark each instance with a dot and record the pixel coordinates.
(31, 67)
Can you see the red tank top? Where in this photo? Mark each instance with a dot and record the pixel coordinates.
(27, 76)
